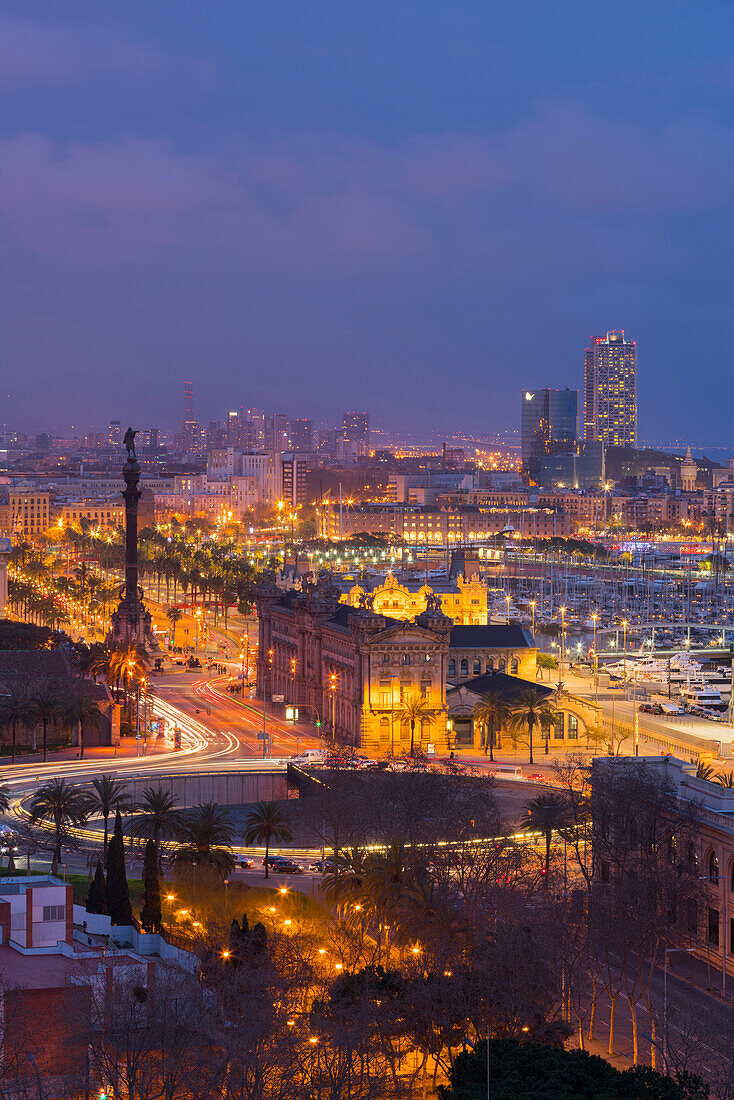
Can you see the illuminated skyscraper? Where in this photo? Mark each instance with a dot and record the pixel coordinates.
(610, 390)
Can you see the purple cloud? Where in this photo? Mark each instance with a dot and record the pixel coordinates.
(50, 53)
(300, 200)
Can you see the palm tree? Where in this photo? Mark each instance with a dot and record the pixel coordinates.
(206, 839)
(173, 615)
(108, 794)
(266, 822)
(704, 771)
(725, 779)
(64, 804)
(157, 818)
(81, 709)
(413, 708)
(530, 710)
(4, 798)
(15, 709)
(546, 814)
(493, 712)
(46, 707)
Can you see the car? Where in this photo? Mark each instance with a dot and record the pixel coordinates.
(326, 865)
(536, 778)
(284, 866)
(244, 862)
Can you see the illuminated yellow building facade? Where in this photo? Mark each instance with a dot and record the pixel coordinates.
(464, 602)
(351, 668)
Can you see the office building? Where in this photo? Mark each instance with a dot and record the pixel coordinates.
(114, 437)
(356, 428)
(295, 468)
(549, 426)
(302, 435)
(610, 390)
(276, 432)
(234, 429)
(256, 417)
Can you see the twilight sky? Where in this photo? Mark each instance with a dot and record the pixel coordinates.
(412, 207)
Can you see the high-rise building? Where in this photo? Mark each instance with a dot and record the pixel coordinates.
(356, 427)
(115, 435)
(234, 422)
(610, 390)
(257, 418)
(302, 435)
(276, 432)
(549, 426)
(295, 468)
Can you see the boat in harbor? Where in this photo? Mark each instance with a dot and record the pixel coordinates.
(699, 694)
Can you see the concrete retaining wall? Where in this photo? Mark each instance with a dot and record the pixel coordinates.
(225, 788)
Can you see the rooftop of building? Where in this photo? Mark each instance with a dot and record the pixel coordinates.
(491, 636)
(509, 687)
(14, 886)
(52, 970)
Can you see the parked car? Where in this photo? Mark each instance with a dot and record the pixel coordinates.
(244, 862)
(536, 778)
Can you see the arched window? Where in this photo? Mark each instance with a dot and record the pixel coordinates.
(558, 729)
(673, 853)
(514, 666)
(490, 665)
(452, 667)
(573, 727)
(477, 668)
(502, 665)
(464, 667)
(713, 868)
(386, 658)
(406, 658)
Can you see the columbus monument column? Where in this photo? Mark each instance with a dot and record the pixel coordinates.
(131, 623)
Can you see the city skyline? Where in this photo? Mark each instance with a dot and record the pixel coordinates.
(390, 211)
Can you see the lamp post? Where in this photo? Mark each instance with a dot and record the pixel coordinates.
(332, 689)
(508, 599)
(594, 619)
(532, 609)
(563, 641)
(624, 658)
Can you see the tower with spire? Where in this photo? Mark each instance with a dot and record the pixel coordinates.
(688, 473)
